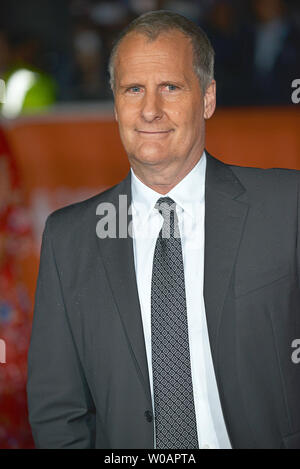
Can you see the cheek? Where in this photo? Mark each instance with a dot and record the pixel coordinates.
(190, 125)
(127, 124)
(195, 118)
(124, 112)
(176, 112)
(187, 114)
(128, 119)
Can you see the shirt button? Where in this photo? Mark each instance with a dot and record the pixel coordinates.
(205, 446)
(148, 415)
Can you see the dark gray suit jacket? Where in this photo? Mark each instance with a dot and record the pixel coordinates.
(88, 382)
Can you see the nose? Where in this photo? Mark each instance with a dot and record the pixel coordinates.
(151, 107)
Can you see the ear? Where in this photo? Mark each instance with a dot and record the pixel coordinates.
(210, 100)
(115, 113)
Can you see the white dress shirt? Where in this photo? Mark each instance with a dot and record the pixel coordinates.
(146, 224)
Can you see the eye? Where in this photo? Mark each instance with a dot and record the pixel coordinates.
(171, 87)
(134, 89)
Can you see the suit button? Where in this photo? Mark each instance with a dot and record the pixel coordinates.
(148, 415)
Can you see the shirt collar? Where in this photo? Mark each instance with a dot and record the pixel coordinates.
(187, 194)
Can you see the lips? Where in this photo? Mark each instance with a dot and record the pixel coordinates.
(154, 132)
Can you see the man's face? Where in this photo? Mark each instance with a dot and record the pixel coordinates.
(159, 105)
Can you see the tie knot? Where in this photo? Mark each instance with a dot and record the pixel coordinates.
(167, 208)
(165, 205)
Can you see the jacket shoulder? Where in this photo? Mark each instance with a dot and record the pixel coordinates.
(80, 214)
(260, 181)
(267, 176)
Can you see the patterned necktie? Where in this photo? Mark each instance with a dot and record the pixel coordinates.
(175, 419)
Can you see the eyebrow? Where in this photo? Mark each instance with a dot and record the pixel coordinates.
(129, 85)
(165, 82)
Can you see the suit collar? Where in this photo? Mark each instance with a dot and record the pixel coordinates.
(226, 211)
(221, 178)
(118, 259)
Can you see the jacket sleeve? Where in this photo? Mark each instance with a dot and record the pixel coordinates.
(298, 231)
(61, 410)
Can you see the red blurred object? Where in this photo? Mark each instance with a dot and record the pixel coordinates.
(15, 307)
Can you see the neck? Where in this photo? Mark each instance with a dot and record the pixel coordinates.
(160, 180)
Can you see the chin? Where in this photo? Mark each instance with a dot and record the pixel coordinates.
(150, 154)
(149, 158)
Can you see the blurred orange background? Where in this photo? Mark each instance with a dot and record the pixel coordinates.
(66, 157)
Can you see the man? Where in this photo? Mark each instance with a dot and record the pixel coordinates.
(180, 334)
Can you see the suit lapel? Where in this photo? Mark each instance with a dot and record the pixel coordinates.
(225, 217)
(118, 258)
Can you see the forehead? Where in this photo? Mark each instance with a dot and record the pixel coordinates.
(171, 51)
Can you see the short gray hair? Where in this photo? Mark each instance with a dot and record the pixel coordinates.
(154, 23)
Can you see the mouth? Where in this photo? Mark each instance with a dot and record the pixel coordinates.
(156, 132)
